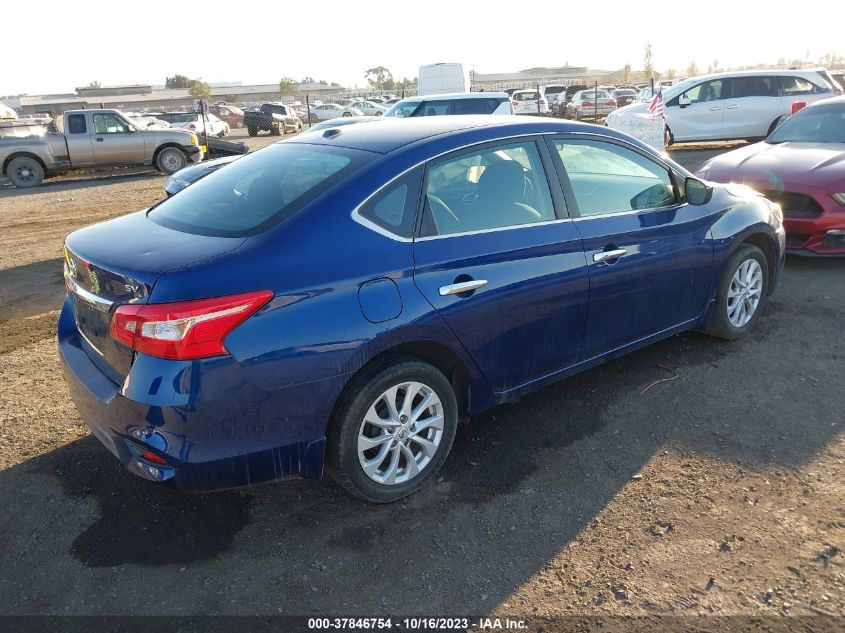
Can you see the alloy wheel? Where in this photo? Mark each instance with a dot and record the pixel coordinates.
(744, 293)
(400, 433)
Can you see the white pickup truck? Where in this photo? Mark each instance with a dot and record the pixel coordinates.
(94, 138)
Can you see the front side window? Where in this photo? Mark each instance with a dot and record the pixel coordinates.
(105, 123)
(708, 91)
(609, 178)
(494, 187)
(258, 190)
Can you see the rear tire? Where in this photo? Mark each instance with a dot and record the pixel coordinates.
(775, 124)
(252, 131)
(25, 172)
(170, 160)
(347, 114)
(277, 129)
(401, 455)
(728, 321)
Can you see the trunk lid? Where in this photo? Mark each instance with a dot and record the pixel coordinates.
(118, 262)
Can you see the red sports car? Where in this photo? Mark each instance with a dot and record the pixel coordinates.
(801, 166)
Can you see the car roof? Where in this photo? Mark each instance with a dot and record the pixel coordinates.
(798, 72)
(393, 133)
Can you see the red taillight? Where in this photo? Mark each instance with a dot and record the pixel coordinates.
(152, 457)
(543, 102)
(187, 329)
(192, 126)
(798, 105)
(586, 104)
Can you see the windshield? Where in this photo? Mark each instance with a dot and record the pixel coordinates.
(672, 91)
(258, 190)
(818, 124)
(403, 108)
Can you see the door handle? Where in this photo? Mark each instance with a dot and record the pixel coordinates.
(714, 109)
(731, 107)
(99, 139)
(464, 286)
(608, 255)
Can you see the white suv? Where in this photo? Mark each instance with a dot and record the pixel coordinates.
(734, 105)
(529, 102)
(455, 103)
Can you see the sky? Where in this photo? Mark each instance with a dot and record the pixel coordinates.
(338, 41)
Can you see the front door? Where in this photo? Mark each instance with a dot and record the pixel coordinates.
(649, 258)
(702, 118)
(505, 271)
(115, 141)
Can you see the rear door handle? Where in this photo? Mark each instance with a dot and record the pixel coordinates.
(99, 139)
(732, 107)
(608, 255)
(714, 109)
(464, 286)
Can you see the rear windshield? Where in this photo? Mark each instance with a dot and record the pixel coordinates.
(440, 107)
(178, 118)
(257, 191)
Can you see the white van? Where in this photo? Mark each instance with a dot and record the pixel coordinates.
(734, 105)
(438, 79)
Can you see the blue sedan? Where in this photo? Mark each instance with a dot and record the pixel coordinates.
(341, 299)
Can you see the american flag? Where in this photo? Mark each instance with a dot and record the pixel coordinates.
(655, 106)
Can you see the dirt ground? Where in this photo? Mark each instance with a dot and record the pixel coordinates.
(695, 477)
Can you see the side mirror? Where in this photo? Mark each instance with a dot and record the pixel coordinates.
(684, 101)
(697, 193)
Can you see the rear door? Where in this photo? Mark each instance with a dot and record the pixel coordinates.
(702, 118)
(648, 254)
(115, 141)
(751, 108)
(501, 262)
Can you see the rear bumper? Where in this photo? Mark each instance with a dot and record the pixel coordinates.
(206, 420)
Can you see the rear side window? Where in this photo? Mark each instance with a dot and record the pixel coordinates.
(497, 187)
(790, 86)
(476, 106)
(257, 191)
(76, 124)
(753, 87)
(394, 207)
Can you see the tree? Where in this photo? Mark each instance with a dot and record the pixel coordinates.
(671, 74)
(648, 64)
(380, 78)
(199, 89)
(714, 67)
(626, 74)
(692, 69)
(95, 84)
(177, 81)
(288, 86)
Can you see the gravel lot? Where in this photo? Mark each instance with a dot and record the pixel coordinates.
(691, 478)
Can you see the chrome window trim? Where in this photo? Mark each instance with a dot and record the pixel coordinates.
(357, 217)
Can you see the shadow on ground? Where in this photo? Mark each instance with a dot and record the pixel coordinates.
(521, 482)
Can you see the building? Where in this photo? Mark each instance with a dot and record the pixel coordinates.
(542, 76)
(148, 97)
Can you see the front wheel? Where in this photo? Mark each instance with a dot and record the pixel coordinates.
(347, 114)
(741, 293)
(170, 160)
(392, 430)
(25, 172)
(277, 130)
